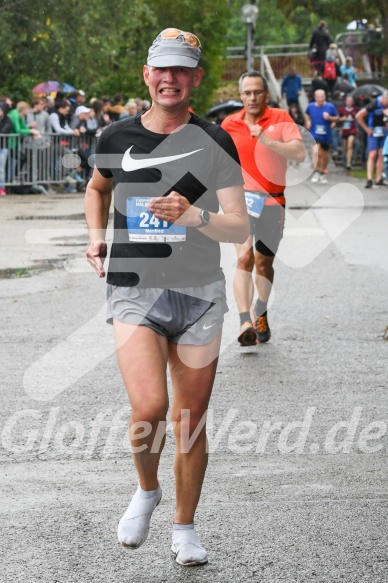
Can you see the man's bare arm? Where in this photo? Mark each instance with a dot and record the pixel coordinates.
(360, 117)
(292, 150)
(98, 198)
(232, 226)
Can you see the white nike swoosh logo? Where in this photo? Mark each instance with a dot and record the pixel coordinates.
(207, 327)
(130, 164)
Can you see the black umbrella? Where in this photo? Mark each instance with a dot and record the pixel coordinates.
(365, 93)
(224, 106)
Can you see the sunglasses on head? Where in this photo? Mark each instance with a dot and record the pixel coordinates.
(174, 33)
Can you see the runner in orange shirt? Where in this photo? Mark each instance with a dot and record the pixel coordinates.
(265, 139)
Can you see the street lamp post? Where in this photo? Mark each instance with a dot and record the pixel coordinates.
(249, 14)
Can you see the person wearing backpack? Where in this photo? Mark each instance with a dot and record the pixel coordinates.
(330, 71)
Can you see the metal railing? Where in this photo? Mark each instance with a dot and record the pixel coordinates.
(281, 57)
(48, 160)
(273, 83)
(354, 46)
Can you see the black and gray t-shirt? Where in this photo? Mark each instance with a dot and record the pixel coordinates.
(195, 161)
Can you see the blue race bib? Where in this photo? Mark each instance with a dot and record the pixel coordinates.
(321, 130)
(255, 203)
(144, 227)
(378, 132)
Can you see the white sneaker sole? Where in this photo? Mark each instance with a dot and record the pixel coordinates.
(192, 564)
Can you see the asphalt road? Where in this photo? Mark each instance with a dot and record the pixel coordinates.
(296, 488)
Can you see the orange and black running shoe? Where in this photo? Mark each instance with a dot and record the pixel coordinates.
(262, 328)
(247, 335)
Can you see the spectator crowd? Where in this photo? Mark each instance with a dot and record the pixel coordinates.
(349, 125)
(33, 126)
(344, 127)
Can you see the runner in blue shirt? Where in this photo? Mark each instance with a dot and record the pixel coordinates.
(320, 117)
(377, 114)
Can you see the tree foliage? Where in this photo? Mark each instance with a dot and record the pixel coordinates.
(272, 26)
(337, 14)
(100, 46)
(209, 20)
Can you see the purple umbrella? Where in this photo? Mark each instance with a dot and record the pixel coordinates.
(52, 87)
(47, 87)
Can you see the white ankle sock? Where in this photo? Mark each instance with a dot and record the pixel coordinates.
(186, 546)
(134, 526)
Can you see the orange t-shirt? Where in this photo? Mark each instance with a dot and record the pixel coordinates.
(263, 170)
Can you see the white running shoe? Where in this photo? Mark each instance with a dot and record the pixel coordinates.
(315, 177)
(322, 179)
(187, 548)
(134, 526)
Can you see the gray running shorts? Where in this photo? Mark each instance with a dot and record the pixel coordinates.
(187, 315)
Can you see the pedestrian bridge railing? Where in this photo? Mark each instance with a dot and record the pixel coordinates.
(281, 57)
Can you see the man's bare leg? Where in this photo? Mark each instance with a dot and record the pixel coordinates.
(142, 357)
(264, 277)
(242, 281)
(379, 165)
(315, 156)
(191, 394)
(370, 164)
(349, 150)
(323, 159)
(243, 291)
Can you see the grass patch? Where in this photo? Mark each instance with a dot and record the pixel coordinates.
(358, 173)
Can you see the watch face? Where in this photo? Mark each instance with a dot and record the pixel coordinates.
(205, 216)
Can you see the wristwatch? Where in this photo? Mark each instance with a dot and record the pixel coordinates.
(204, 215)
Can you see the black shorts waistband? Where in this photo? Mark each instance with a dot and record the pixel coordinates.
(277, 194)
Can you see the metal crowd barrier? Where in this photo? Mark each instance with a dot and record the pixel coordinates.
(40, 162)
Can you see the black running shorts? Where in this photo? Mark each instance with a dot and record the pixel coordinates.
(267, 230)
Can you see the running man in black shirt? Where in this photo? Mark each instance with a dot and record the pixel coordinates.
(170, 172)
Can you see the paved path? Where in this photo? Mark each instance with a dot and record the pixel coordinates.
(296, 489)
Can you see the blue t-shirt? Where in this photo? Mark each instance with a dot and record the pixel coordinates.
(352, 75)
(321, 127)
